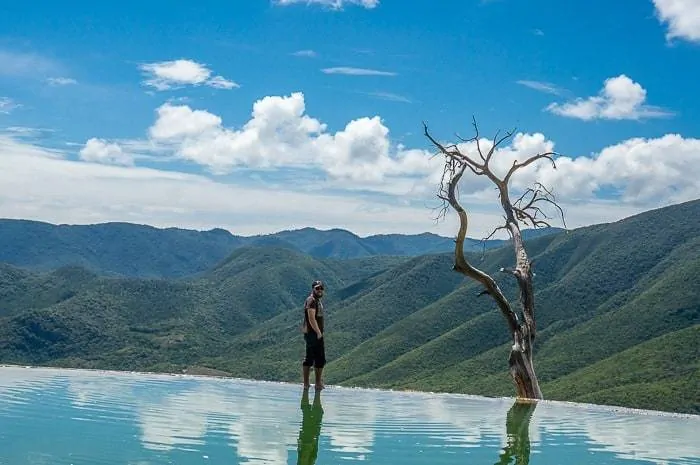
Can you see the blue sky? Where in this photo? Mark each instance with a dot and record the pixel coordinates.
(136, 112)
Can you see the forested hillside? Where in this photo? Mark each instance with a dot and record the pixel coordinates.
(618, 308)
(125, 249)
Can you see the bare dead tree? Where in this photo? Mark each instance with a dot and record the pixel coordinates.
(527, 209)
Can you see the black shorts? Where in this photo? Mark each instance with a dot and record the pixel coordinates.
(315, 350)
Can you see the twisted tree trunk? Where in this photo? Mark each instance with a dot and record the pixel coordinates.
(523, 329)
(522, 369)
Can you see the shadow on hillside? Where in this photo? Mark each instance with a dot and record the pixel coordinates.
(517, 449)
(310, 430)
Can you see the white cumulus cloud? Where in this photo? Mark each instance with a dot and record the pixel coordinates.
(100, 151)
(180, 121)
(621, 98)
(281, 134)
(333, 4)
(165, 75)
(682, 18)
(642, 172)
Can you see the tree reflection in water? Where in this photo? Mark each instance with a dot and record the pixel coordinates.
(310, 431)
(517, 449)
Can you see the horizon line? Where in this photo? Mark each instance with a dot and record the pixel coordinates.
(337, 228)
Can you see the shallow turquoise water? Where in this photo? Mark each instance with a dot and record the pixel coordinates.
(78, 417)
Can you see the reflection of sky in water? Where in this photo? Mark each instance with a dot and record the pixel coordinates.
(78, 417)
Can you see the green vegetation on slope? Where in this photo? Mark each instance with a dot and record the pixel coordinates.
(665, 375)
(83, 319)
(621, 311)
(609, 296)
(133, 250)
(113, 248)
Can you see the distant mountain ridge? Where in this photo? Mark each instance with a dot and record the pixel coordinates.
(128, 249)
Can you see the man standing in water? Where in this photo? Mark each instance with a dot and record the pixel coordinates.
(313, 335)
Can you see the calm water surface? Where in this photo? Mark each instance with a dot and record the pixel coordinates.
(79, 417)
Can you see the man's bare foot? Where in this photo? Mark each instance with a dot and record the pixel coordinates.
(319, 386)
(307, 386)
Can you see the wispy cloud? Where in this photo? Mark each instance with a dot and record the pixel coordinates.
(166, 75)
(7, 105)
(357, 71)
(332, 4)
(389, 96)
(20, 64)
(538, 32)
(541, 86)
(24, 131)
(305, 53)
(61, 81)
(33, 135)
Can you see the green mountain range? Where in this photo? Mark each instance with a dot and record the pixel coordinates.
(618, 314)
(125, 249)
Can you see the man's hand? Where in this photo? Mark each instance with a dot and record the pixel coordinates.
(319, 334)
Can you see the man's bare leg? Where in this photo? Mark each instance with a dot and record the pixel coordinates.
(319, 382)
(306, 371)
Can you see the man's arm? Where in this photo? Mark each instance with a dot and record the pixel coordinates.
(311, 312)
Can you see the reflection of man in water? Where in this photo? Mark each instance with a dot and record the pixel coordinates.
(310, 428)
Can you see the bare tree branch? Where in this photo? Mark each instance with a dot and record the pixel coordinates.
(497, 143)
(516, 166)
(529, 211)
(493, 233)
(476, 139)
(473, 139)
